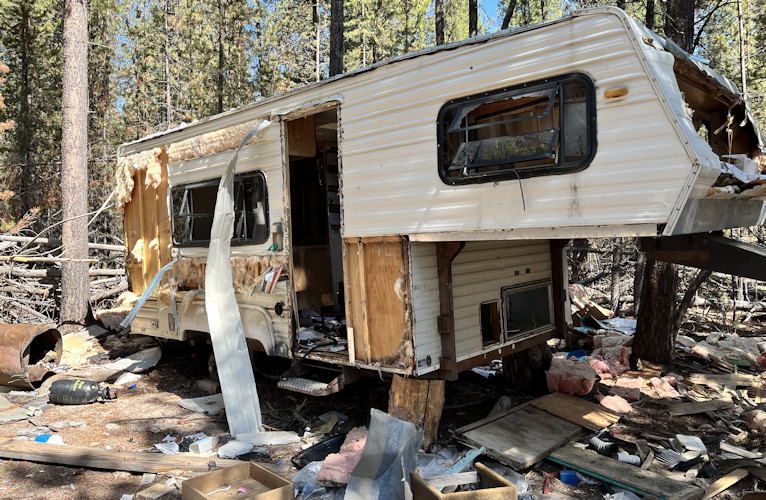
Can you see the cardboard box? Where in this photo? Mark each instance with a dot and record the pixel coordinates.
(492, 487)
(261, 484)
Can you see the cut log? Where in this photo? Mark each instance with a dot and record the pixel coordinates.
(23, 272)
(109, 293)
(418, 401)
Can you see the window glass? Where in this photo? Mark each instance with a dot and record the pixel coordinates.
(194, 204)
(534, 129)
(526, 309)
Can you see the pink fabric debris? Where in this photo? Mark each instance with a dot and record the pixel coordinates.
(337, 467)
(570, 376)
(628, 387)
(663, 388)
(615, 403)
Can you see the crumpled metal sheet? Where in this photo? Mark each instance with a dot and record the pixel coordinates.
(235, 372)
(21, 348)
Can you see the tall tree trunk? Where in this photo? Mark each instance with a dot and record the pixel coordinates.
(439, 18)
(683, 306)
(168, 95)
(654, 337)
(638, 280)
(679, 23)
(473, 17)
(742, 60)
(649, 20)
(616, 275)
(508, 14)
(336, 37)
(24, 125)
(221, 54)
(74, 164)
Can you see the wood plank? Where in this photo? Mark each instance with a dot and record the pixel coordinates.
(694, 407)
(523, 437)
(640, 481)
(445, 254)
(576, 410)
(378, 298)
(301, 137)
(131, 461)
(724, 483)
(729, 379)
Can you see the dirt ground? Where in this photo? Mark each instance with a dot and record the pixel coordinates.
(143, 416)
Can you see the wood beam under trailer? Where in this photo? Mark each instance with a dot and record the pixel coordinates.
(711, 251)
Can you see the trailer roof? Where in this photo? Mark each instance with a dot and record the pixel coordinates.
(722, 82)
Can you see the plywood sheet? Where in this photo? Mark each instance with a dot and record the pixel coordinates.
(301, 137)
(521, 437)
(576, 410)
(625, 476)
(378, 298)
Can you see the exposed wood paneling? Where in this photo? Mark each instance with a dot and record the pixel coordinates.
(445, 254)
(378, 300)
(418, 401)
(301, 137)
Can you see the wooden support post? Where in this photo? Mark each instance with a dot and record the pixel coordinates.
(445, 254)
(418, 401)
(559, 283)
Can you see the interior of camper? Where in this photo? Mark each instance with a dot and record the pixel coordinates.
(314, 235)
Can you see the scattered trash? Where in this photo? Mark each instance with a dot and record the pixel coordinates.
(168, 446)
(569, 477)
(127, 378)
(233, 449)
(570, 376)
(49, 438)
(209, 405)
(337, 467)
(204, 445)
(79, 392)
(389, 455)
(319, 451)
(269, 438)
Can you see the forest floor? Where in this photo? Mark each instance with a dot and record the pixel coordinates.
(145, 414)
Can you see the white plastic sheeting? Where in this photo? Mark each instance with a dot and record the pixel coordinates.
(240, 396)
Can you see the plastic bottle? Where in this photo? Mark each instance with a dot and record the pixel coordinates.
(79, 392)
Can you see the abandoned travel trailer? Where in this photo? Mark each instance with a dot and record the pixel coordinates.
(410, 217)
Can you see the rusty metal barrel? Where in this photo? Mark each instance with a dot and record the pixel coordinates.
(28, 353)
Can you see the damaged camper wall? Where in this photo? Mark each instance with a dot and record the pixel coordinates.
(409, 217)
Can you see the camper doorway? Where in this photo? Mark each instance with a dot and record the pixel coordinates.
(315, 241)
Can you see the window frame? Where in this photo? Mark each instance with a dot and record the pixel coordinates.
(529, 171)
(215, 182)
(507, 291)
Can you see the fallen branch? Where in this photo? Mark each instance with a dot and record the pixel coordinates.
(46, 241)
(109, 293)
(54, 273)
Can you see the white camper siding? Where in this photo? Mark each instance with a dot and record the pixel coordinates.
(387, 143)
(425, 305)
(480, 271)
(390, 179)
(264, 154)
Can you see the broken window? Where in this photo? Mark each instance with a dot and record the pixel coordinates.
(194, 204)
(490, 322)
(527, 309)
(540, 128)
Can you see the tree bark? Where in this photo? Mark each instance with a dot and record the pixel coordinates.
(508, 14)
(649, 20)
(654, 337)
(439, 18)
(473, 17)
(221, 54)
(74, 164)
(336, 37)
(638, 279)
(679, 23)
(616, 275)
(688, 298)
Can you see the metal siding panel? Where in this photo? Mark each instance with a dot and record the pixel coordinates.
(478, 274)
(390, 178)
(425, 304)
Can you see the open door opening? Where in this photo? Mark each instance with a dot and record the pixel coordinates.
(315, 240)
